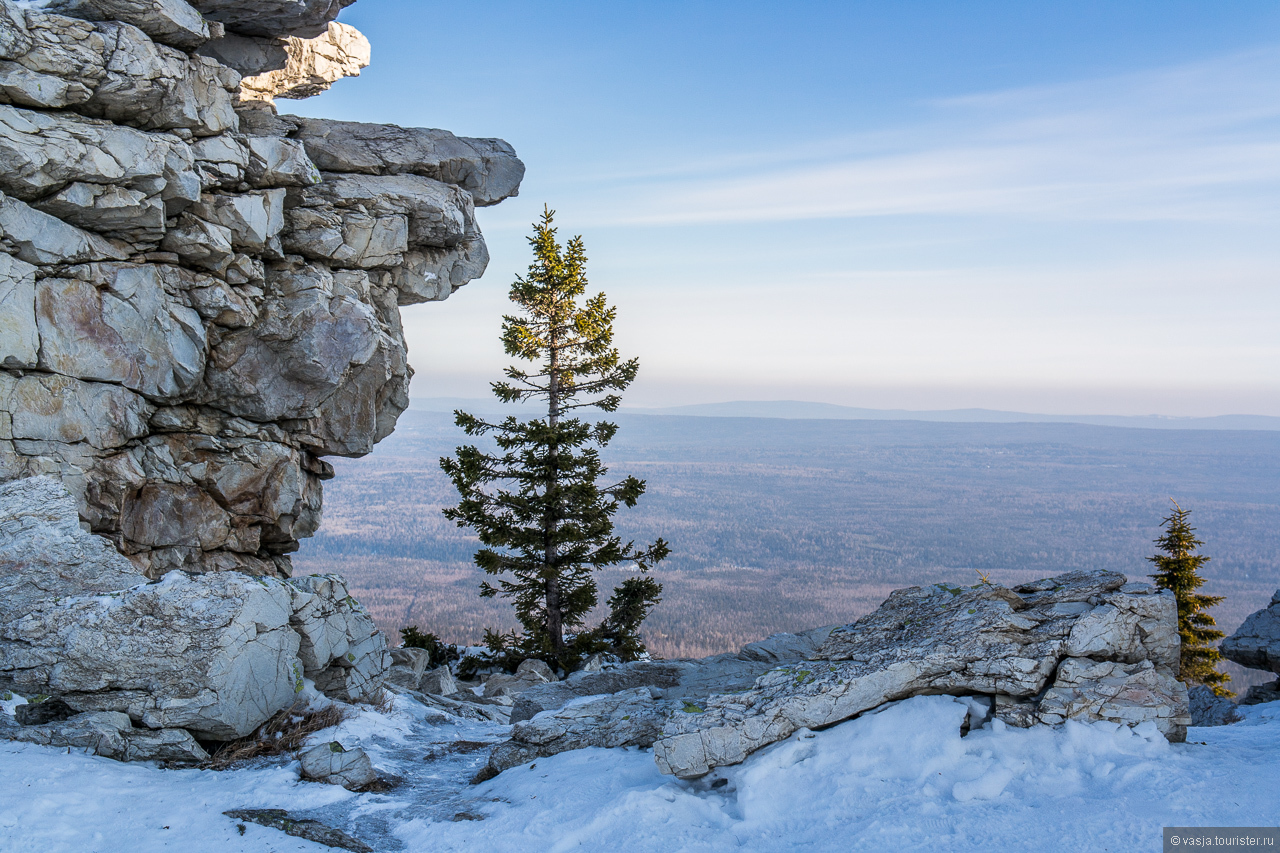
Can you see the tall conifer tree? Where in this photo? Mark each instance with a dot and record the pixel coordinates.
(537, 505)
(1177, 569)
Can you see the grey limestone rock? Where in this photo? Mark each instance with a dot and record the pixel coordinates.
(114, 71)
(626, 718)
(333, 764)
(19, 339)
(39, 238)
(45, 554)
(408, 666)
(214, 654)
(438, 681)
(1256, 644)
(111, 734)
(628, 704)
(487, 168)
(340, 647)
(117, 323)
(292, 67)
(171, 22)
(192, 314)
(1076, 646)
(305, 828)
(275, 18)
(1210, 710)
(1259, 693)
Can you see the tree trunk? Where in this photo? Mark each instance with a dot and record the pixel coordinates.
(555, 616)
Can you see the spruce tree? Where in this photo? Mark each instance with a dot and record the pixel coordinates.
(1177, 569)
(537, 505)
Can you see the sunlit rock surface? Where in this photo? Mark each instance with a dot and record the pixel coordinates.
(201, 297)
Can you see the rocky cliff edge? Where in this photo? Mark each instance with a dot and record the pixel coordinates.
(199, 297)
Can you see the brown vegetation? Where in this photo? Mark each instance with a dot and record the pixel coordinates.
(285, 732)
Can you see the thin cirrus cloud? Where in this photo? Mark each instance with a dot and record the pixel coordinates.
(1192, 143)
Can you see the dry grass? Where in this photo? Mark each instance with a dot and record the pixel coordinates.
(285, 732)
(383, 701)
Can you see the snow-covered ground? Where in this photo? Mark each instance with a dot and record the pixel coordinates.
(899, 779)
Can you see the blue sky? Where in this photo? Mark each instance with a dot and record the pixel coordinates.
(1058, 207)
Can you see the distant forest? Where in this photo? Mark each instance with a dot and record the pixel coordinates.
(780, 525)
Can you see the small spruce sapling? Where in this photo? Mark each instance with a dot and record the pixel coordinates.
(1177, 569)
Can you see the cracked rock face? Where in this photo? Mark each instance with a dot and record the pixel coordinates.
(214, 654)
(1257, 642)
(199, 299)
(1084, 646)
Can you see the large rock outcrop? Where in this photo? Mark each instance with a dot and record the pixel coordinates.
(200, 298)
(1084, 646)
(1081, 646)
(1256, 644)
(213, 655)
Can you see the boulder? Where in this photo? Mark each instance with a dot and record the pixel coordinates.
(1259, 693)
(486, 168)
(626, 718)
(341, 649)
(333, 764)
(1256, 644)
(214, 654)
(111, 734)
(1210, 710)
(407, 667)
(438, 681)
(1083, 645)
(530, 673)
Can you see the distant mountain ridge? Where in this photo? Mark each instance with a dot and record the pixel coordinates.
(802, 410)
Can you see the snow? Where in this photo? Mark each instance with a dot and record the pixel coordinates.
(900, 778)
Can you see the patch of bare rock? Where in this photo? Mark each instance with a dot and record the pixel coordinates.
(1081, 646)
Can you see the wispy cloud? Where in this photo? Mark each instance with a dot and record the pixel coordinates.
(1193, 143)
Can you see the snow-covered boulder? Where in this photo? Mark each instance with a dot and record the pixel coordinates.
(1083, 645)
